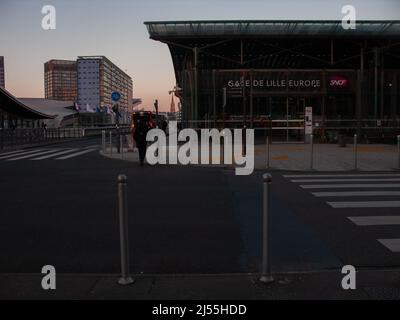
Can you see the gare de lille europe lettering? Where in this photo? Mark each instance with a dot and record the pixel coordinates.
(283, 83)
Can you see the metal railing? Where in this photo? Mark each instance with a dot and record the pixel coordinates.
(115, 141)
(237, 122)
(312, 157)
(11, 138)
(325, 131)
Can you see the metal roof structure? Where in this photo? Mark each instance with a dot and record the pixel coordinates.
(48, 106)
(271, 28)
(16, 107)
(277, 44)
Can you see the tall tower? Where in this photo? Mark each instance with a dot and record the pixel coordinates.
(60, 80)
(172, 110)
(2, 80)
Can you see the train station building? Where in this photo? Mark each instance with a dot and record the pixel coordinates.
(277, 76)
(14, 113)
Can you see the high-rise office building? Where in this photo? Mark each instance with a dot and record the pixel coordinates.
(98, 77)
(60, 80)
(2, 80)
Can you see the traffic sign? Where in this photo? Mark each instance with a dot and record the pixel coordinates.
(115, 96)
(308, 120)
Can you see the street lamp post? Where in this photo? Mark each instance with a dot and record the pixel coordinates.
(156, 107)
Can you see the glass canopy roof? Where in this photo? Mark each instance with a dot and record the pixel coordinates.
(365, 28)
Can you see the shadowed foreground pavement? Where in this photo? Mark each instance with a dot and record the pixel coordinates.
(371, 284)
(195, 232)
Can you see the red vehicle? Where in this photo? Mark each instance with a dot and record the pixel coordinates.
(144, 116)
(148, 116)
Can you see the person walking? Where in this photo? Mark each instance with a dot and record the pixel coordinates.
(139, 135)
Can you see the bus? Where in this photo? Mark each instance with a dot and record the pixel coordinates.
(149, 117)
(143, 116)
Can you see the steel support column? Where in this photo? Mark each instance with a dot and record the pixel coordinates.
(287, 118)
(241, 52)
(376, 54)
(359, 92)
(359, 101)
(215, 99)
(251, 99)
(244, 100)
(382, 84)
(196, 84)
(393, 97)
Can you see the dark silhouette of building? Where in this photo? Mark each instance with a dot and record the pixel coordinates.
(237, 73)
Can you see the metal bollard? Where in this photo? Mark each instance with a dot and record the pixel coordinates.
(266, 276)
(312, 152)
(222, 149)
(268, 152)
(398, 151)
(111, 151)
(223, 152)
(103, 141)
(121, 147)
(244, 141)
(355, 153)
(123, 230)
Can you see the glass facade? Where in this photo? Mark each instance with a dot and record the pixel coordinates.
(15, 114)
(60, 80)
(264, 74)
(12, 121)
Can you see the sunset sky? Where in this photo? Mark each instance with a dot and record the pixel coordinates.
(115, 29)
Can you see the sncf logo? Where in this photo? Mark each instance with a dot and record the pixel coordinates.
(338, 82)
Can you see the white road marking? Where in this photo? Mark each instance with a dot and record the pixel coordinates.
(55, 154)
(356, 194)
(392, 244)
(37, 153)
(75, 154)
(328, 182)
(12, 152)
(340, 186)
(375, 220)
(341, 175)
(346, 180)
(365, 204)
(20, 153)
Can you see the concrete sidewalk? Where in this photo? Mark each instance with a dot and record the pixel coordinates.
(328, 157)
(297, 157)
(371, 284)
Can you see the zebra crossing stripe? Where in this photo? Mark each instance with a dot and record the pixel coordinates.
(12, 152)
(356, 194)
(341, 175)
(37, 153)
(20, 154)
(54, 154)
(75, 154)
(375, 220)
(340, 186)
(346, 180)
(392, 244)
(365, 204)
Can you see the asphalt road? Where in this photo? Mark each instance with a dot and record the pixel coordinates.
(59, 207)
(64, 213)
